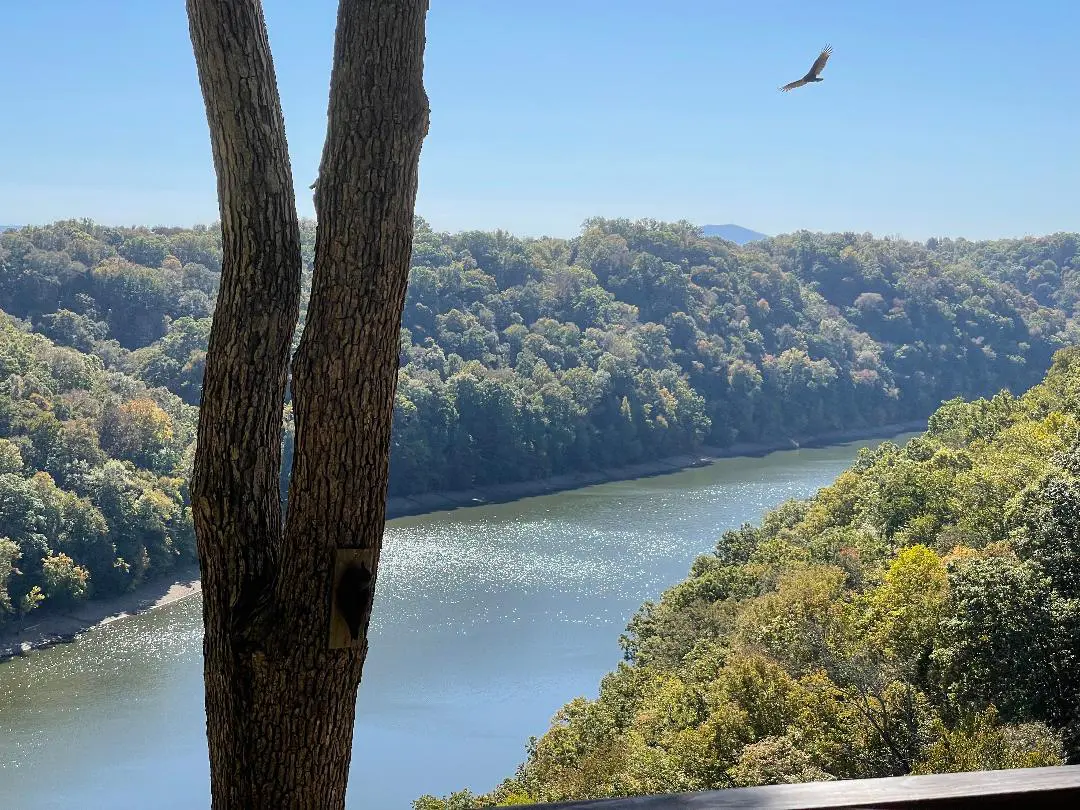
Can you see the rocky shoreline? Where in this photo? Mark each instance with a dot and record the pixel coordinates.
(47, 627)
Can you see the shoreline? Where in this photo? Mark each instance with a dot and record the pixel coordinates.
(50, 627)
(57, 626)
(428, 502)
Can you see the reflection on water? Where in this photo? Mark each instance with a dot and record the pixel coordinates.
(111, 718)
(487, 620)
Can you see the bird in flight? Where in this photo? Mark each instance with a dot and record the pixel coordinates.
(814, 74)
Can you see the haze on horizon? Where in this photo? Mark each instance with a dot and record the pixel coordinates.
(932, 120)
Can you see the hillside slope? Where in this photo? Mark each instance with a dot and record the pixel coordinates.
(921, 614)
(93, 469)
(523, 359)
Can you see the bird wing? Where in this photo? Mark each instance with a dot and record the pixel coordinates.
(793, 85)
(819, 63)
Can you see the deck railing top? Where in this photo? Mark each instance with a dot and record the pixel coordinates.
(1023, 788)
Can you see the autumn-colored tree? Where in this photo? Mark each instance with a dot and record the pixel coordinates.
(137, 430)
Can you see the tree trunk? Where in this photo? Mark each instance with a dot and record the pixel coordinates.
(280, 701)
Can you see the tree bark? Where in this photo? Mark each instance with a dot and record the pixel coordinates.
(280, 702)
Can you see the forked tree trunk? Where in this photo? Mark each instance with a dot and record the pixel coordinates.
(280, 702)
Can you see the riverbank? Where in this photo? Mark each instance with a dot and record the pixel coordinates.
(48, 627)
(408, 506)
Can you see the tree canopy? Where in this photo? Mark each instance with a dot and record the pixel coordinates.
(525, 358)
(93, 475)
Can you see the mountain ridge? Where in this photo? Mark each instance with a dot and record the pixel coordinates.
(733, 233)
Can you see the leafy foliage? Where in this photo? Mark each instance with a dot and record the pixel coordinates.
(526, 358)
(93, 467)
(919, 615)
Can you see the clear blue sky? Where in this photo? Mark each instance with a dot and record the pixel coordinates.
(935, 118)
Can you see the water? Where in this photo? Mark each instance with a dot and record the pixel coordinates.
(486, 621)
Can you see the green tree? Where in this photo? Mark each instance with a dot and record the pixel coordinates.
(65, 582)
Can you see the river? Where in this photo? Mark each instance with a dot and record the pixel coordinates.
(486, 621)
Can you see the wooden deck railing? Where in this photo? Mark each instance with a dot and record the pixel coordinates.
(1023, 789)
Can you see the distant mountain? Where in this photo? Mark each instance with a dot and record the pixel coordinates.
(733, 233)
(9, 228)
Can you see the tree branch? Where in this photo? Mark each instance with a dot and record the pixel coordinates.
(235, 482)
(345, 370)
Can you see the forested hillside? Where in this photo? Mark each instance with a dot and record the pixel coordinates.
(528, 358)
(93, 471)
(921, 614)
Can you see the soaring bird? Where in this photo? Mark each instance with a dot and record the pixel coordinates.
(814, 75)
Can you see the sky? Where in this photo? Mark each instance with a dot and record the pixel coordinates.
(955, 118)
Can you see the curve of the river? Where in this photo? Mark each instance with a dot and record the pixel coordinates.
(487, 620)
